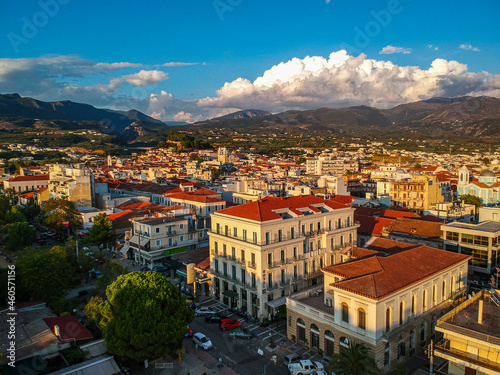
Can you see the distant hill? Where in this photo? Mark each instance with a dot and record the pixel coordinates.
(68, 115)
(463, 116)
(247, 113)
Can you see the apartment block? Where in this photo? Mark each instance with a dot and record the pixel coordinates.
(263, 250)
(418, 194)
(480, 241)
(74, 183)
(471, 342)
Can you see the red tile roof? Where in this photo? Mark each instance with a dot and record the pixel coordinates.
(378, 277)
(263, 210)
(116, 215)
(344, 199)
(416, 227)
(371, 225)
(69, 328)
(387, 246)
(38, 177)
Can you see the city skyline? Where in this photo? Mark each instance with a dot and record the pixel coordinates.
(192, 61)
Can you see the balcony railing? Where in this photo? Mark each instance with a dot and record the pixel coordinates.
(443, 351)
(252, 265)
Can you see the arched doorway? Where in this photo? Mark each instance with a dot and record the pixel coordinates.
(329, 343)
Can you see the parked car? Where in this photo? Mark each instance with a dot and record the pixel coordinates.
(203, 310)
(201, 340)
(242, 334)
(305, 366)
(214, 318)
(291, 358)
(226, 324)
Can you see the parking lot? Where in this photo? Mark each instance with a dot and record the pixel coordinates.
(242, 355)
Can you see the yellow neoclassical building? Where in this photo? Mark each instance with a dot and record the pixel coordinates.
(264, 250)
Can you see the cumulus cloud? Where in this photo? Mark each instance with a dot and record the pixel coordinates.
(144, 78)
(389, 50)
(174, 64)
(344, 80)
(468, 47)
(186, 117)
(117, 65)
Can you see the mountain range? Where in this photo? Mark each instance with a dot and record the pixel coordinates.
(465, 116)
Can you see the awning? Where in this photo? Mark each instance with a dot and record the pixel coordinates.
(230, 293)
(277, 302)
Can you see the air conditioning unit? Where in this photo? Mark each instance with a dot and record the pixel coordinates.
(328, 302)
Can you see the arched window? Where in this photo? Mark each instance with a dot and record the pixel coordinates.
(444, 289)
(424, 300)
(329, 343)
(314, 336)
(344, 341)
(413, 304)
(361, 318)
(388, 319)
(401, 312)
(345, 312)
(452, 284)
(434, 294)
(301, 330)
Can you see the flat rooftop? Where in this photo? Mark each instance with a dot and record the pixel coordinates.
(485, 226)
(465, 321)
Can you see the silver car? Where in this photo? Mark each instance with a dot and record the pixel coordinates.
(201, 340)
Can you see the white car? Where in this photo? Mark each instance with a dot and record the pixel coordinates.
(304, 367)
(201, 340)
(202, 311)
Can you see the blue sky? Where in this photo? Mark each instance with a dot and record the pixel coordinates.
(236, 41)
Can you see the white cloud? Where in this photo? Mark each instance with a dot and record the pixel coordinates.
(118, 65)
(145, 78)
(343, 80)
(435, 48)
(389, 50)
(468, 47)
(186, 117)
(174, 64)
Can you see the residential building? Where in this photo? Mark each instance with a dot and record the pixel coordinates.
(74, 183)
(418, 194)
(390, 304)
(324, 165)
(263, 250)
(489, 214)
(153, 239)
(471, 342)
(22, 184)
(481, 241)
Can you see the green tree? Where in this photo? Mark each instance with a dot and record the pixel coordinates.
(143, 317)
(45, 274)
(101, 232)
(354, 360)
(300, 160)
(19, 236)
(31, 210)
(215, 173)
(418, 165)
(4, 208)
(14, 216)
(59, 210)
(470, 199)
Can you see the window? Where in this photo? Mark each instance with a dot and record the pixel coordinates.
(243, 255)
(253, 258)
(243, 276)
(434, 293)
(244, 234)
(268, 238)
(224, 268)
(181, 226)
(233, 252)
(314, 266)
(401, 312)
(254, 284)
(270, 280)
(292, 233)
(216, 247)
(158, 243)
(452, 236)
(283, 277)
(388, 319)
(282, 256)
(295, 272)
(235, 232)
(224, 250)
(280, 235)
(444, 289)
(345, 312)
(303, 229)
(233, 272)
(254, 237)
(361, 319)
(413, 304)
(181, 238)
(216, 265)
(424, 300)
(295, 255)
(157, 230)
(270, 259)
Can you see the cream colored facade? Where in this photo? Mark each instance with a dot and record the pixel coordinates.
(418, 194)
(254, 263)
(392, 328)
(471, 341)
(74, 183)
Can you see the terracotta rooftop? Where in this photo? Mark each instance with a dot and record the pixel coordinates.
(416, 227)
(377, 277)
(38, 177)
(69, 328)
(263, 209)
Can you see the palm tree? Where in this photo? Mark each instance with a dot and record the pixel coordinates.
(353, 361)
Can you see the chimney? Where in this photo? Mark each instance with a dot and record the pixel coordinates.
(480, 312)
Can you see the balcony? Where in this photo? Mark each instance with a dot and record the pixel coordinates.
(312, 275)
(270, 286)
(442, 350)
(251, 265)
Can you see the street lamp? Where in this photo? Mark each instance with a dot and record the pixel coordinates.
(274, 360)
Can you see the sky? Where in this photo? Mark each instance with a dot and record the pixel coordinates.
(198, 59)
